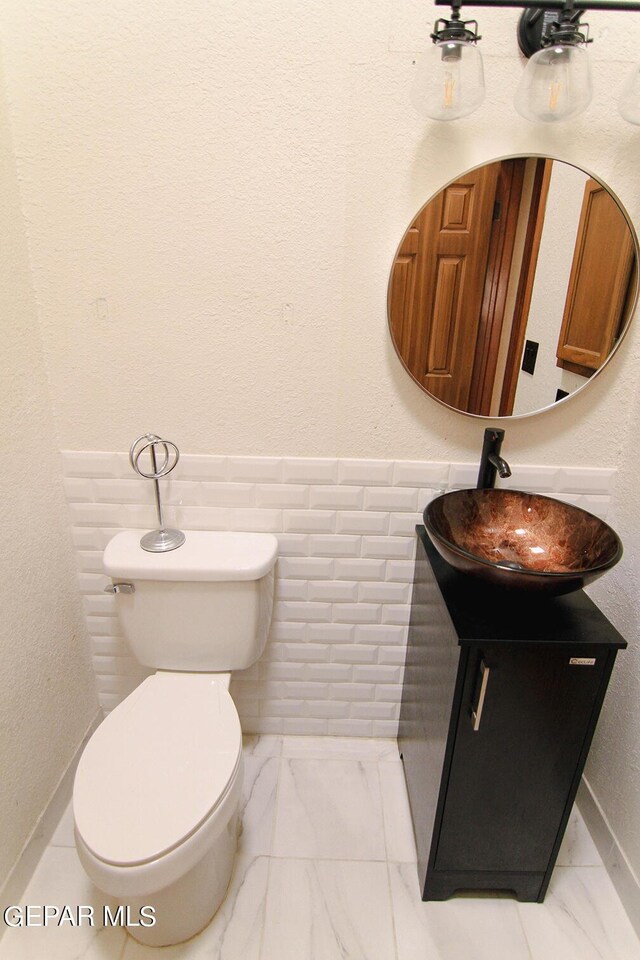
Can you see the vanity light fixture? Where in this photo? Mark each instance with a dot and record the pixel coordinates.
(556, 84)
(449, 79)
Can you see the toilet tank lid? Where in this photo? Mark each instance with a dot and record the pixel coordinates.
(205, 555)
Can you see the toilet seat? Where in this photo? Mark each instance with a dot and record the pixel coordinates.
(157, 768)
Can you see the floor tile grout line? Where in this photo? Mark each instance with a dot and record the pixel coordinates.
(274, 856)
(365, 760)
(524, 930)
(393, 913)
(276, 807)
(384, 819)
(578, 866)
(124, 948)
(264, 909)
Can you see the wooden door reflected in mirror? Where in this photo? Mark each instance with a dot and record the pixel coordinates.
(512, 287)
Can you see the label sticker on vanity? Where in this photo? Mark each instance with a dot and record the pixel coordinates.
(582, 661)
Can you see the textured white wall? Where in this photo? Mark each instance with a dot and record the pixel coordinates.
(214, 193)
(47, 691)
(190, 169)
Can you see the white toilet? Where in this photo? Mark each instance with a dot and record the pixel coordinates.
(156, 793)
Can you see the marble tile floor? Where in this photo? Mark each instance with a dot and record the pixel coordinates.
(326, 871)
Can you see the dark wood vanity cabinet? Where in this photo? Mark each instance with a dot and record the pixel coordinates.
(501, 696)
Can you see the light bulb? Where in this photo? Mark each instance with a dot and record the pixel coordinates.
(556, 84)
(629, 102)
(449, 80)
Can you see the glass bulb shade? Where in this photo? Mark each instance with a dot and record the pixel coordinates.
(449, 81)
(629, 102)
(555, 85)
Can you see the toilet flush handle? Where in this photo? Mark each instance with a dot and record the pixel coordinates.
(120, 588)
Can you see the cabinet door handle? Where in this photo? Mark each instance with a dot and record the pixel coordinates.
(476, 715)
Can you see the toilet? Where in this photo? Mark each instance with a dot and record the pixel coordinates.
(157, 790)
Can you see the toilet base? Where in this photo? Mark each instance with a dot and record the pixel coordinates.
(185, 907)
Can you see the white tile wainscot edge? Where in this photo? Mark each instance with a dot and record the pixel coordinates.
(333, 663)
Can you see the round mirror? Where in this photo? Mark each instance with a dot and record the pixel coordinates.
(513, 287)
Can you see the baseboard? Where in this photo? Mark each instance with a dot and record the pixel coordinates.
(618, 867)
(18, 879)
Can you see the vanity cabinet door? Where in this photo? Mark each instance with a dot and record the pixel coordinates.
(525, 718)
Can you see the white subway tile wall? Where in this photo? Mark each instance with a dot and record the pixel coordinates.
(346, 530)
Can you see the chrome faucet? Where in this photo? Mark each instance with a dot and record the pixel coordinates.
(491, 462)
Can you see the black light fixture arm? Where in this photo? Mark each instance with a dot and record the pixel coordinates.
(615, 5)
(538, 27)
(455, 28)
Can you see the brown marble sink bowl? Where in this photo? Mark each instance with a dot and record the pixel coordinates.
(521, 540)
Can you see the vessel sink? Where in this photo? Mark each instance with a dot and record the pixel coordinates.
(521, 540)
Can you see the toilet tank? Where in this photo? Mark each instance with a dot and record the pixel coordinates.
(203, 607)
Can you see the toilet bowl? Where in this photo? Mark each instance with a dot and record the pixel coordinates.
(155, 802)
(157, 790)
